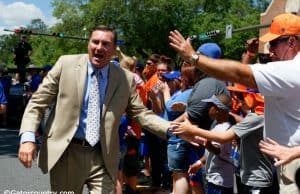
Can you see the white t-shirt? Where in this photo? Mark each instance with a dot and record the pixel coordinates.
(279, 83)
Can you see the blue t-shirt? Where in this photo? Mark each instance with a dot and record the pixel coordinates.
(2, 95)
(178, 96)
(171, 115)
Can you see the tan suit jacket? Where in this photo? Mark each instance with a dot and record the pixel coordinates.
(65, 84)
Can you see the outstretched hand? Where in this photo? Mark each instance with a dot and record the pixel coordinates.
(280, 153)
(194, 140)
(182, 128)
(181, 45)
(193, 169)
(185, 130)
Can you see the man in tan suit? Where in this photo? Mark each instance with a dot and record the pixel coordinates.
(65, 152)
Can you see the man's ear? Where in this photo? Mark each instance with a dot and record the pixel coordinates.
(292, 42)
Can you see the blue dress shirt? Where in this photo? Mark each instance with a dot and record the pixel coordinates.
(80, 132)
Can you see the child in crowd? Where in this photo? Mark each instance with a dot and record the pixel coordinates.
(219, 167)
(255, 167)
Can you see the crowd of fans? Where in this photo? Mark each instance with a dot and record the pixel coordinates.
(226, 118)
(229, 115)
(15, 92)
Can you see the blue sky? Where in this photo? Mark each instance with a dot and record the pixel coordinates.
(14, 14)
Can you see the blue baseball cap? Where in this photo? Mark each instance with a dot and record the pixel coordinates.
(172, 75)
(211, 50)
(215, 100)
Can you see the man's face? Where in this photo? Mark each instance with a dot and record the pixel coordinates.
(101, 48)
(161, 69)
(213, 111)
(279, 49)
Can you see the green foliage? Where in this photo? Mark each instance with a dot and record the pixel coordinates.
(236, 12)
(7, 43)
(38, 25)
(143, 24)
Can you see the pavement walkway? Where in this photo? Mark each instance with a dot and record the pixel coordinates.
(15, 179)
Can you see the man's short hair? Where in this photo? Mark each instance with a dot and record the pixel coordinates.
(155, 58)
(106, 29)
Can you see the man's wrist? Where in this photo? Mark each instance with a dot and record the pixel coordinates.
(27, 136)
(250, 54)
(193, 60)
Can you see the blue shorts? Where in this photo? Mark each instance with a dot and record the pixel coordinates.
(178, 152)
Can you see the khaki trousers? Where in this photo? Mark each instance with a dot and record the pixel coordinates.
(286, 177)
(78, 166)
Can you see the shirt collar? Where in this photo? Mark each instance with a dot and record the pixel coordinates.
(104, 70)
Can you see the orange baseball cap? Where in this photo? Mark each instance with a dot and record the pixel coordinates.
(282, 25)
(237, 88)
(251, 97)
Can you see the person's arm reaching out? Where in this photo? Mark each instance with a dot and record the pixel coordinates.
(228, 70)
(187, 129)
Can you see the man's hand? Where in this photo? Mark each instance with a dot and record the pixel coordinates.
(281, 154)
(27, 153)
(183, 128)
(252, 45)
(163, 87)
(193, 169)
(194, 140)
(181, 45)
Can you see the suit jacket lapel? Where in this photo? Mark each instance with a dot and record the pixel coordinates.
(113, 80)
(81, 73)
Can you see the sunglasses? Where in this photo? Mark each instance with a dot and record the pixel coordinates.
(275, 42)
(150, 63)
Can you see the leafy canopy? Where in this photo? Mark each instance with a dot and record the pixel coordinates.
(143, 24)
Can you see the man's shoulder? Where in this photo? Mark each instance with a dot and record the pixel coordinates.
(71, 60)
(74, 56)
